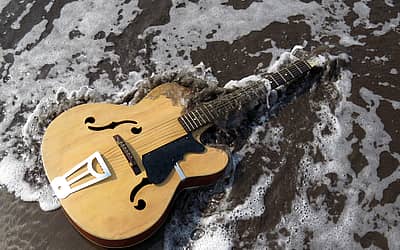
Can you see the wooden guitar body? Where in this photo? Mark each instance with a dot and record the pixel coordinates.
(116, 169)
(127, 206)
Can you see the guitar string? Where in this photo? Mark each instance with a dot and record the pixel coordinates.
(238, 95)
(121, 159)
(174, 119)
(242, 91)
(223, 103)
(116, 150)
(226, 102)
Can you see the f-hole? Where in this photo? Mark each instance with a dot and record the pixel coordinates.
(141, 204)
(112, 125)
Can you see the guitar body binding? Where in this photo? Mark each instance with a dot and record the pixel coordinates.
(127, 206)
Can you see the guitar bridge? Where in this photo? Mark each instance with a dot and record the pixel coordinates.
(63, 187)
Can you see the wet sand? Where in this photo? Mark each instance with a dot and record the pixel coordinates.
(25, 226)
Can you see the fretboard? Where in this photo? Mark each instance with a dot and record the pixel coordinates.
(212, 111)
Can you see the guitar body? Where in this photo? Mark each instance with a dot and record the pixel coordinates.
(127, 206)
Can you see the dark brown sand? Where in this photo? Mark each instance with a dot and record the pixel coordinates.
(24, 226)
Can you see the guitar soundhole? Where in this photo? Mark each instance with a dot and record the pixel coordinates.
(141, 205)
(112, 125)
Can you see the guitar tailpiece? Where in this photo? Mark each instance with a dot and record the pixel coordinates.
(63, 187)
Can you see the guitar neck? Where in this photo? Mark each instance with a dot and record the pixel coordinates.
(209, 112)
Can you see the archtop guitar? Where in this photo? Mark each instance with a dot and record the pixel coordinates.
(116, 169)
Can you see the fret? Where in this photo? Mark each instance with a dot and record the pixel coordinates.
(294, 72)
(303, 66)
(211, 113)
(277, 83)
(221, 109)
(279, 73)
(194, 120)
(196, 117)
(200, 116)
(285, 75)
(297, 67)
(242, 94)
(191, 127)
(290, 73)
(205, 114)
(208, 111)
(280, 79)
(184, 124)
(307, 64)
(244, 97)
(231, 103)
(274, 83)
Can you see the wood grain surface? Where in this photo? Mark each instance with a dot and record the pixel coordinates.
(104, 210)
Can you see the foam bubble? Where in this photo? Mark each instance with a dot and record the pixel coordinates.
(362, 10)
(16, 24)
(394, 71)
(3, 4)
(29, 102)
(392, 24)
(335, 147)
(12, 177)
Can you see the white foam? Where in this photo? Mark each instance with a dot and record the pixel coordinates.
(3, 4)
(219, 234)
(219, 227)
(189, 26)
(49, 5)
(335, 148)
(389, 3)
(16, 25)
(394, 71)
(273, 137)
(24, 93)
(33, 36)
(12, 177)
(243, 82)
(392, 24)
(187, 31)
(362, 10)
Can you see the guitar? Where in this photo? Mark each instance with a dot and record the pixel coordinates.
(116, 169)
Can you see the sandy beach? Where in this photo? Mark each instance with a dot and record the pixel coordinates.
(321, 173)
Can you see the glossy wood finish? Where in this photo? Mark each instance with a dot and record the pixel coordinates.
(104, 212)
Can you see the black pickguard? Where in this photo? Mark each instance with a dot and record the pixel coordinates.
(159, 162)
